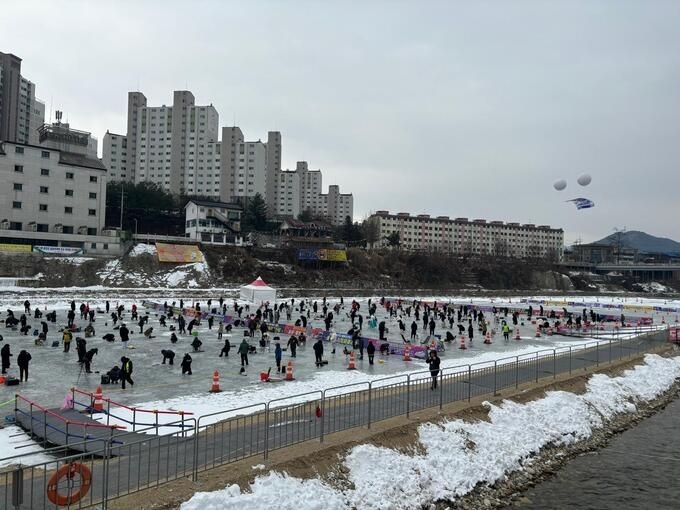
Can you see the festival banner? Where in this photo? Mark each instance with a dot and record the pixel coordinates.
(15, 248)
(185, 253)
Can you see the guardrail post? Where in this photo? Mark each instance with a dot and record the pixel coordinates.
(194, 471)
(370, 403)
(408, 395)
(323, 414)
(266, 430)
(44, 426)
(516, 372)
(597, 354)
(495, 369)
(610, 351)
(570, 360)
(105, 488)
(441, 389)
(155, 413)
(554, 364)
(134, 418)
(537, 366)
(108, 411)
(469, 382)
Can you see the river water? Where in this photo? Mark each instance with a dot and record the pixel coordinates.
(640, 469)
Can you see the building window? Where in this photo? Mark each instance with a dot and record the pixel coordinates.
(43, 227)
(93, 196)
(18, 150)
(67, 230)
(91, 231)
(44, 171)
(68, 210)
(93, 178)
(43, 207)
(44, 189)
(106, 246)
(93, 246)
(19, 169)
(92, 212)
(18, 186)
(68, 192)
(69, 175)
(16, 205)
(16, 225)
(46, 154)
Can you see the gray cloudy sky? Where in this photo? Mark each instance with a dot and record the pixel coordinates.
(450, 108)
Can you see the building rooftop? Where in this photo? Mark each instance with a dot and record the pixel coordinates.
(211, 203)
(73, 159)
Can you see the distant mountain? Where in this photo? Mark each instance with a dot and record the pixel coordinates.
(644, 243)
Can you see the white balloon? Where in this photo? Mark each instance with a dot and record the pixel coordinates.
(584, 179)
(560, 184)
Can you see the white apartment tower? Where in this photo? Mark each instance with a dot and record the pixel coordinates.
(300, 190)
(174, 146)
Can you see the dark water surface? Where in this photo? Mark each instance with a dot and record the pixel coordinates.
(640, 469)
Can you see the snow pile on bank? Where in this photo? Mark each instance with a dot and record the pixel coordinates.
(143, 249)
(458, 455)
(654, 288)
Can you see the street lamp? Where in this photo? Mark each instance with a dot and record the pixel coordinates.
(135, 226)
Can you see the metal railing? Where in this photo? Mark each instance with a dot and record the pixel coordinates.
(227, 436)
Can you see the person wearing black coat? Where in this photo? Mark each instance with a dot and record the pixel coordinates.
(226, 348)
(22, 360)
(318, 352)
(81, 348)
(88, 359)
(126, 371)
(433, 360)
(4, 356)
(370, 350)
(186, 364)
(169, 355)
(124, 333)
(381, 330)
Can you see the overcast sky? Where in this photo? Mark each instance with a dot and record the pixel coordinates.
(466, 109)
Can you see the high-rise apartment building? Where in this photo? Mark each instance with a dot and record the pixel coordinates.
(299, 190)
(21, 114)
(178, 147)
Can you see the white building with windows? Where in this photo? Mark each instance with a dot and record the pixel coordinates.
(300, 190)
(213, 222)
(475, 237)
(54, 197)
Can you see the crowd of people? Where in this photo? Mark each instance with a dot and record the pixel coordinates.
(260, 329)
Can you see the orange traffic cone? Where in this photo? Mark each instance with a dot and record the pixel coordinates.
(487, 338)
(517, 337)
(462, 342)
(289, 371)
(98, 404)
(407, 352)
(351, 361)
(215, 388)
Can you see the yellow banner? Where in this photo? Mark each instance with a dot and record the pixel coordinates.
(16, 248)
(185, 253)
(333, 255)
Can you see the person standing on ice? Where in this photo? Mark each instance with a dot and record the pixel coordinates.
(278, 354)
(433, 360)
(22, 360)
(126, 371)
(414, 330)
(5, 355)
(186, 364)
(293, 343)
(471, 332)
(225, 348)
(432, 325)
(318, 352)
(243, 351)
(124, 333)
(370, 350)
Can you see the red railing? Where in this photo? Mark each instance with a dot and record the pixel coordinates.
(63, 419)
(109, 402)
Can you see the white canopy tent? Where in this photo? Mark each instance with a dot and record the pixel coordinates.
(258, 292)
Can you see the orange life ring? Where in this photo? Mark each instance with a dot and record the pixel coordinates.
(70, 471)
